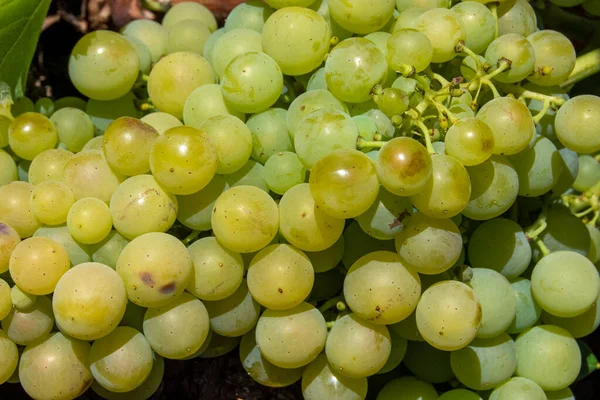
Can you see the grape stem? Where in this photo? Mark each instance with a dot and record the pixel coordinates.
(585, 66)
(193, 235)
(462, 48)
(584, 212)
(329, 304)
(538, 226)
(494, 9)
(365, 144)
(426, 135)
(542, 112)
(542, 246)
(519, 91)
(154, 5)
(595, 218)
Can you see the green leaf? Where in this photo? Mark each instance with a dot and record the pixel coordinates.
(20, 25)
(589, 362)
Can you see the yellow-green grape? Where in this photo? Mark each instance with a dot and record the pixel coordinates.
(70, 101)
(251, 14)
(444, 29)
(485, 363)
(161, 121)
(291, 338)
(518, 388)
(403, 5)
(127, 144)
(174, 77)
(184, 160)
(304, 224)
(121, 361)
(21, 300)
(235, 315)
(449, 315)
(479, 25)
(554, 57)
(283, 171)
(94, 144)
(219, 345)
(321, 381)
(56, 367)
(470, 140)
(409, 387)
(48, 165)
(89, 175)
(234, 43)
(141, 205)
(419, 358)
(149, 32)
(383, 220)
(409, 47)
(360, 16)
(579, 326)
(447, 191)
(50, 202)
(392, 101)
(103, 113)
(108, 250)
(344, 183)
(427, 245)
(156, 268)
(195, 210)
(353, 82)
(37, 263)
(403, 166)
(460, 394)
(528, 311)
(27, 326)
(15, 208)
(538, 168)
(399, 346)
(381, 39)
(5, 121)
(232, 140)
(9, 239)
(252, 82)
(143, 53)
(588, 173)
(78, 252)
(407, 18)
(269, 134)
(245, 219)
(297, 38)
(549, 356)
(206, 102)
(6, 302)
(188, 35)
(10, 357)
(74, 128)
(189, 10)
(177, 329)
(380, 289)
(89, 301)
(561, 296)
(89, 220)
(516, 17)
(218, 272)
(209, 45)
(317, 81)
(575, 122)
(134, 316)
(518, 51)
(30, 134)
(357, 348)
(309, 102)
(280, 277)
(563, 394)
(8, 168)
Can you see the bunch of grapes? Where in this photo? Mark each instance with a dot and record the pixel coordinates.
(330, 188)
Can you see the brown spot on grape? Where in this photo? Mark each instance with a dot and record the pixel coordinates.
(280, 290)
(168, 288)
(146, 277)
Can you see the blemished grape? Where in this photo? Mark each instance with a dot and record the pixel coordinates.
(73, 126)
(109, 249)
(575, 122)
(384, 219)
(234, 315)
(251, 14)
(408, 386)
(516, 16)
(195, 210)
(189, 10)
(151, 33)
(409, 47)
(470, 140)
(320, 381)
(555, 53)
(419, 358)
(269, 133)
(162, 122)
(579, 326)
(188, 35)
(518, 51)
(479, 23)
(48, 165)
(444, 29)
(283, 171)
(30, 134)
(518, 388)
(28, 326)
(10, 358)
(231, 44)
(51, 201)
(89, 220)
(231, 139)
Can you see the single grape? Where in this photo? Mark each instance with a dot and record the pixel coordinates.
(409, 47)
(479, 25)
(408, 387)
(459, 394)
(232, 140)
(444, 29)
(588, 173)
(419, 358)
(321, 381)
(103, 113)
(8, 168)
(470, 140)
(518, 388)
(392, 102)
(108, 250)
(48, 165)
(189, 35)
(269, 134)
(250, 174)
(235, 315)
(309, 102)
(575, 122)
(384, 220)
(89, 220)
(74, 127)
(51, 201)
(190, 10)
(284, 171)
(10, 358)
(143, 53)
(518, 51)
(151, 33)
(360, 16)
(251, 15)
(30, 134)
(162, 122)
(15, 208)
(516, 16)
(579, 326)
(27, 326)
(195, 210)
(317, 81)
(564, 231)
(407, 19)
(554, 57)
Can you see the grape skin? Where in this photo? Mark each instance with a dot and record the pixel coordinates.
(555, 51)
(445, 30)
(419, 358)
(409, 386)
(320, 381)
(162, 122)
(10, 357)
(28, 326)
(518, 388)
(48, 165)
(575, 124)
(234, 315)
(232, 140)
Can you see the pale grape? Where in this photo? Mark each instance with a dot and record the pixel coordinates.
(518, 51)
(206, 102)
(6, 299)
(317, 81)
(409, 47)
(188, 35)
(406, 388)
(384, 219)
(579, 326)
(407, 19)
(445, 30)
(108, 250)
(516, 16)
(234, 315)
(89, 220)
(469, 140)
(479, 25)
(9, 239)
(419, 358)
(321, 381)
(143, 53)
(234, 43)
(78, 252)
(232, 140)
(48, 165)
(518, 388)
(190, 10)
(283, 171)
(360, 16)
(250, 174)
(27, 326)
(151, 33)
(575, 124)
(15, 208)
(251, 15)
(564, 231)
(88, 174)
(51, 201)
(162, 122)
(195, 210)
(269, 134)
(74, 128)
(588, 173)
(30, 134)
(553, 52)
(309, 102)
(10, 358)
(403, 166)
(8, 168)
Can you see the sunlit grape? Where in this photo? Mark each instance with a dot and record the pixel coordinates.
(403, 166)
(30, 134)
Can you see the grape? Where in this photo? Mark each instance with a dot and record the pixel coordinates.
(108, 250)
(251, 15)
(359, 243)
(479, 25)
(178, 328)
(594, 251)
(143, 53)
(384, 124)
(78, 252)
(48, 165)
(579, 326)
(403, 5)
(162, 122)
(563, 394)
(269, 134)
(188, 35)
(234, 43)
(449, 315)
(175, 77)
(407, 19)
(284, 171)
(234, 315)
(189, 10)
(134, 316)
(447, 191)
(209, 45)
(445, 30)
(56, 367)
(21, 105)
(141, 205)
(8, 169)
(575, 124)
(103, 113)
(459, 394)
(549, 356)
(321, 381)
(156, 268)
(245, 219)
(399, 346)
(516, 16)
(70, 101)
(30, 134)
(518, 388)
(384, 219)
(9, 239)
(74, 127)
(565, 295)
(6, 296)
(206, 102)
(89, 175)
(553, 51)
(250, 174)
(10, 358)
(127, 144)
(406, 388)
(195, 210)
(317, 80)
(367, 129)
(121, 361)
(94, 144)
(518, 51)
(469, 140)
(409, 47)
(219, 345)
(588, 173)
(89, 220)
(591, 7)
(361, 16)
(27, 326)
(565, 232)
(232, 140)
(297, 39)
(419, 358)
(15, 209)
(151, 33)
(103, 65)
(309, 102)
(260, 369)
(353, 82)
(427, 245)
(50, 202)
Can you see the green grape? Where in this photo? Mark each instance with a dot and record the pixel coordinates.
(329, 283)
(549, 356)
(15, 208)
(594, 251)
(563, 394)
(284, 171)
(206, 102)
(322, 7)
(479, 25)
(209, 45)
(159, 277)
(103, 65)
(89, 220)
(252, 82)
(56, 367)
(367, 129)
(108, 250)
(452, 308)
(565, 232)
(78, 253)
(518, 388)
(195, 210)
(444, 29)
(250, 15)
(309, 102)
(384, 219)
(74, 128)
(235, 315)
(409, 47)
(30, 134)
(579, 326)
(10, 358)
(384, 124)
(298, 39)
(162, 122)
(360, 16)
(178, 328)
(260, 369)
(189, 10)
(189, 35)
(289, 3)
(357, 348)
(591, 7)
(127, 145)
(419, 358)
(232, 140)
(380, 289)
(407, 19)
(133, 317)
(516, 16)
(407, 388)
(94, 144)
(321, 381)
(22, 105)
(518, 51)
(470, 140)
(403, 5)
(570, 171)
(358, 243)
(565, 296)
(151, 33)
(575, 122)
(250, 174)
(588, 173)
(141, 205)
(269, 134)
(103, 113)
(220, 345)
(6, 299)
(399, 346)
(69, 101)
(121, 361)
(175, 77)
(27, 326)
(8, 169)
(459, 394)
(234, 43)
(317, 81)
(428, 245)
(50, 202)
(353, 82)
(143, 53)
(392, 101)
(89, 175)
(554, 57)
(494, 188)
(446, 193)
(500, 244)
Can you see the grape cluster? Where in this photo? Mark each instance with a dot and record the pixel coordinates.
(331, 187)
